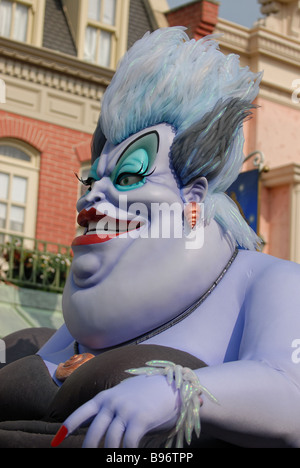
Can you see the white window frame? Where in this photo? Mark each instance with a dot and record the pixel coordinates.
(100, 26)
(25, 169)
(29, 5)
(35, 20)
(119, 30)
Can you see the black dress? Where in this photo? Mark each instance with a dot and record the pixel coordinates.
(33, 406)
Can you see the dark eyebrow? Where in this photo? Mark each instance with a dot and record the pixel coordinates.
(137, 139)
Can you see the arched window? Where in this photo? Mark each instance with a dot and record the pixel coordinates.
(19, 173)
(13, 152)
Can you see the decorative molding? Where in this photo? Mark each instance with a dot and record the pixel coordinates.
(83, 151)
(269, 6)
(283, 175)
(51, 79)
(280, 47)
(258, 40)
(288, 175)
(282, 95)
(282, 16)
(53, 69)
(262, 49)
(25, 131)
(233, 37)
(51, 86)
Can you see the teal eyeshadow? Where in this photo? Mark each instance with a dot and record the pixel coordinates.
(136, 162)
(138, 158)
(93, 171)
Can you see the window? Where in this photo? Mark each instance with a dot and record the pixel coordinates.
(13, 194)
(18, 189)
(101, 32)
(15, 18)
(12, 152)
(100, 29)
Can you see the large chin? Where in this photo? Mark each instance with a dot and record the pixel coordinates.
(91, 287)
(116, 305)
(96, 255)
(82, 315)
(102, 316)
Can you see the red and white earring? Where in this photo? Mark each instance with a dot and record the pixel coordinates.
(192, 213)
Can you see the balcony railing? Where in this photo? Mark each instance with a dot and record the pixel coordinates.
(34, 263)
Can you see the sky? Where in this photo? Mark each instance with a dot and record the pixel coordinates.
(243, 12)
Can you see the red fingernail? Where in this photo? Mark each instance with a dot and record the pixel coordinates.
(60, 436)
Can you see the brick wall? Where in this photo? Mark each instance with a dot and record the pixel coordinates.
(199, 17)
(59, 160)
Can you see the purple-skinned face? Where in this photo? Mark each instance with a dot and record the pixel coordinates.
(132, 270)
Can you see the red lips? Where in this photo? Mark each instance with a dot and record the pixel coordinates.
(92, 215)
(84, 217)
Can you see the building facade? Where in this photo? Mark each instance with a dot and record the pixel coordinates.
(54, 70)
(272, 45)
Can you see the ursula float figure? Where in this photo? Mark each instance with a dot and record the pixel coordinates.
(187, 339)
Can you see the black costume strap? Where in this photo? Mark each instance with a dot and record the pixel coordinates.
(179, 318)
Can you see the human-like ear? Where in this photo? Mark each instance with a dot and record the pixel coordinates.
(193, 194)
(195, 191)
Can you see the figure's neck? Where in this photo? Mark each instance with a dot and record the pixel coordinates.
(209, 259)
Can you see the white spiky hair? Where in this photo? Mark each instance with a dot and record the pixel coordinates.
(167, 78)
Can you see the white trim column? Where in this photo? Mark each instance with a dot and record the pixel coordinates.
(289, 176)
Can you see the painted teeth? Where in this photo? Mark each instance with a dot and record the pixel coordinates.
(108, 226)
